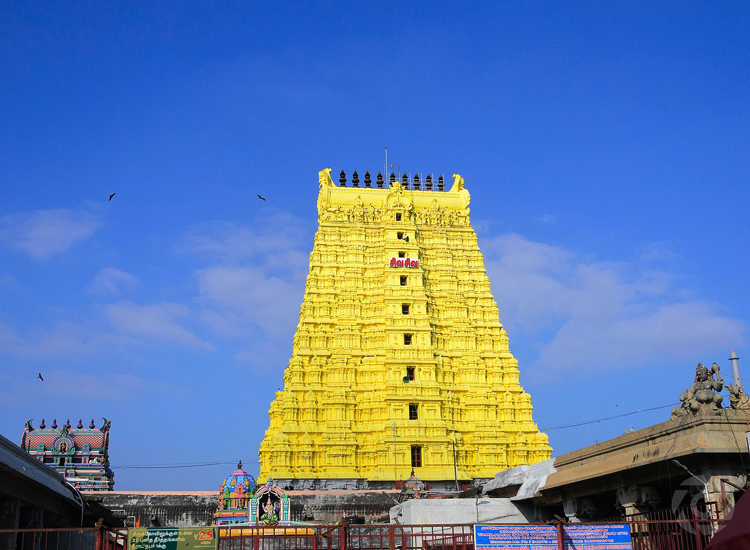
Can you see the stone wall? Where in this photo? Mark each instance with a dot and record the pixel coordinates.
(468, 510)
(195, 509)
(177, 509)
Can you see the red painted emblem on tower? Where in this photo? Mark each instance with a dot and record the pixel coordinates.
(403, 262)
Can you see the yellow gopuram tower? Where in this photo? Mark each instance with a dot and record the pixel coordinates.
(399, 361)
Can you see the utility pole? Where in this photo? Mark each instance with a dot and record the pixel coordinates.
(395, 469)
(455, 467)
(735, 369)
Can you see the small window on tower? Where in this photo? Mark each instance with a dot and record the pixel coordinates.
(399, 235)
(405, 309)
(416, 456)
(410, 373)
(398, 217)
(401, 254)
(407, 339)
(403, 280)
(413, 411)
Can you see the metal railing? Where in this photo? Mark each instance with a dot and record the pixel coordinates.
(348, 537)
(62, 539)
(687, 528)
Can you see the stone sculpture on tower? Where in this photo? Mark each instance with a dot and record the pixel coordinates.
(399, 362)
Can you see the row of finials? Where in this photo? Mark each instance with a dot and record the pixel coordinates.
(416, 183)
(42, 426)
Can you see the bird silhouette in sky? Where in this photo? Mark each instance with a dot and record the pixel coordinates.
(261, 198)
(40, 377)
(112, 195)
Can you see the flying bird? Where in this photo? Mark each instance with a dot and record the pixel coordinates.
(40, 377)
(261, 198)
(112, 195)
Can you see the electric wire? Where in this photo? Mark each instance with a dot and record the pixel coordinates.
(586, 422)
(176, 465)
(560, 427)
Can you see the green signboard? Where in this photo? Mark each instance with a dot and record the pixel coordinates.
(178, 538)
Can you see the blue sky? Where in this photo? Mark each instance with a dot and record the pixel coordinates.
(605, 148)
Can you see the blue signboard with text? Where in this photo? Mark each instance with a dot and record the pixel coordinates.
(544, 537)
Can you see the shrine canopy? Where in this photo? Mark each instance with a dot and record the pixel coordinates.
(234, 495)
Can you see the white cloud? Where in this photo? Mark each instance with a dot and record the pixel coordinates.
(111, 280)
(657, 252)
(63, 338)
(545, 218)
(225, 323)
(106, 386)
(154, 321)
(258, 273)
(271, 302)
(277, 241)
(601, 316)
(44, 233)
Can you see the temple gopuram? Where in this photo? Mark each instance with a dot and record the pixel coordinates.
(399, 362)
(79, 454)
(235, 493)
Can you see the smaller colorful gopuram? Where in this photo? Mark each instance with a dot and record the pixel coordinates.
(79, 454)
(414, 488)
(235, 493)
(269, 506)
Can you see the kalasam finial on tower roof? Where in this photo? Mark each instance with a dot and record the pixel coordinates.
(342, 178)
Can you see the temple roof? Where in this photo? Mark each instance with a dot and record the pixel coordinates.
(405, 194)
(95, 438)
(238, 477)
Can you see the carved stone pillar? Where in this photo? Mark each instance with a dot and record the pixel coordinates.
(637, 500)
(578, 509)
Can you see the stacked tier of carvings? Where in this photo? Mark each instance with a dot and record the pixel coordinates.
(80, 454)
(364, 324)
